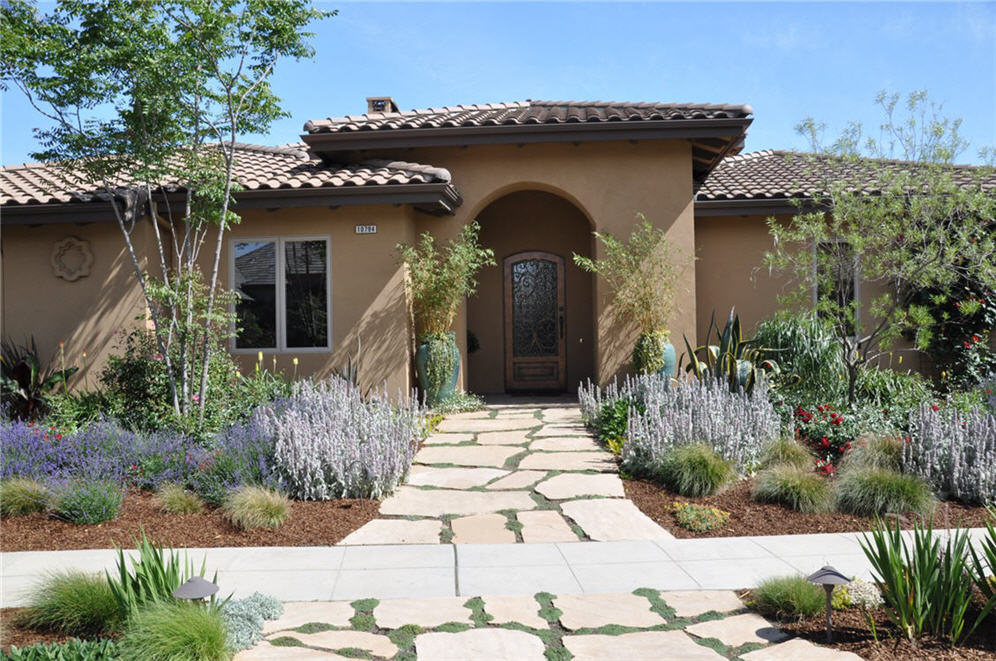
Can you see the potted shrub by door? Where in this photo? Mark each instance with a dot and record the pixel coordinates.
(438, 282)
(642, 276)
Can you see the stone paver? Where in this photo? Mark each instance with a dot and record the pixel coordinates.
(545, 526)
(522, 609)
(453, 478)
(410, 501)
(598, 610)
(560, 430)
(798, 649)
(428, 613)
(482, 529)
(502, 438)
(738, 630)
(296, 613)
(373, 643)
(447, 439)
(564, 444)
(267, 652)
(606, 519)
(567, 461)
(474, 426)
(484, 644)
(518, 480)
(640, 646)
(395, 531)
(492, 456)
(691, 603)
(575, 485)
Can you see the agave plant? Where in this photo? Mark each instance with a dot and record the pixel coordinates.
(25, 384)
(734, 360)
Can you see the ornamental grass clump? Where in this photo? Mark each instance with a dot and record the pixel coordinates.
(695, 470)
(786, 451)
(799, 489)
(734, 424)
(175, 631)
(789, 598)
(331, 442)
(251, 507)
(20, 496)
(174, 499)
(87, 503)
(955, 452)
(877, 491)
(73, 603)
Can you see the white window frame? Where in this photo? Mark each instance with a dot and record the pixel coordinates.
(857, 282)
(281, 292)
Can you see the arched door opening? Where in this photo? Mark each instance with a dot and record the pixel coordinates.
(531, 324)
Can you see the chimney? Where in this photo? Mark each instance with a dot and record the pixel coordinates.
(381, 104)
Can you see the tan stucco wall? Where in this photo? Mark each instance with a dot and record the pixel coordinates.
(609, 183)
(90, 314)
(531, 220)
(368, 296)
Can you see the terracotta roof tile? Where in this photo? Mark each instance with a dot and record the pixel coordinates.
(257, 168)
(525, 112)
(775, 174)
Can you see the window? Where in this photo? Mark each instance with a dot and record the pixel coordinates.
(837, 277)
(282, 289)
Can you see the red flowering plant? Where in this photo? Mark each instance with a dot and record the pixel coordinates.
(827, 432)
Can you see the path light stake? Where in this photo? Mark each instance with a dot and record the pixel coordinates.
(829, 578)
(195, 589)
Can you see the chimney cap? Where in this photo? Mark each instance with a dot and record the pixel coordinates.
(381, 104)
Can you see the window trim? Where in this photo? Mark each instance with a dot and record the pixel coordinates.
(281, 293)
(857, 281)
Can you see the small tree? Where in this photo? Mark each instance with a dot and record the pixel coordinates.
(899, 227)
(642, 276)
(146, 100)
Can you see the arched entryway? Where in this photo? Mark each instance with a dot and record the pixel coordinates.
(531, 325)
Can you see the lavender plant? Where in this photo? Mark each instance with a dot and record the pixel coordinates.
(330, 442)
(735, 424)
(955, 452)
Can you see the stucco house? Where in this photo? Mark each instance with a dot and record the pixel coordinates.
(314, 263)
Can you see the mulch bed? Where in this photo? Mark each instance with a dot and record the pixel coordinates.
(13, 635)
(750, 518)
(310, 524)
(851, 633)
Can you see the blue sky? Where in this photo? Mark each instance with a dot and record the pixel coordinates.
(787, 60)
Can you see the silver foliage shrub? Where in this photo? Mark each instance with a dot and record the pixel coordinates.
(592, 398)
(955, 452)
(331, 442)
(735, 424)
(244, 619)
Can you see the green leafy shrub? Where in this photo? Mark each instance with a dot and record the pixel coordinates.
(699, 518)
(177, 631)
(805, 347)
(789, 598)
(460, 402)
(926, 584)
(649, 351)
(875, 491)
(899, 393)
(89, 502)
(795, 488)
(20, 496)
(786, 451)
(25, 382)
(74, 410)
(256, 507)
(174, 499)
(71, 650)
(74, 604)
(611, 422)
(696, 470)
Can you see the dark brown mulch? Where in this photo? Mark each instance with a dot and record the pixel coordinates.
(310, 524)
(11, 634)
(851, 633)
(750, 518)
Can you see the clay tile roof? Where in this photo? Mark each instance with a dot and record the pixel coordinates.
(526, 112)
(257, 168)
(775, 174)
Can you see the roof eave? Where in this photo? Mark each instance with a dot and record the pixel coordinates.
(748, 207)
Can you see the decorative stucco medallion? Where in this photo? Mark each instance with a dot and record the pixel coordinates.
(71, 258)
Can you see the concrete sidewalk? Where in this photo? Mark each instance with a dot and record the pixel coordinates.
(420, 571)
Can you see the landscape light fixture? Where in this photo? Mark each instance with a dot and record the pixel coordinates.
(195, 589)
(829, 578)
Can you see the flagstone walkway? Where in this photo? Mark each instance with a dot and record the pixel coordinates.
(510, 474)
(644, 624)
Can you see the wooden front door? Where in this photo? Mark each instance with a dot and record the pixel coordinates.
(534, 322)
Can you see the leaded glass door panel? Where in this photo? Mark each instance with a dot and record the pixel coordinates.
(534, 322)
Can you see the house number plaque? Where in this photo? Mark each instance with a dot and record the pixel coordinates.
(366, 229)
